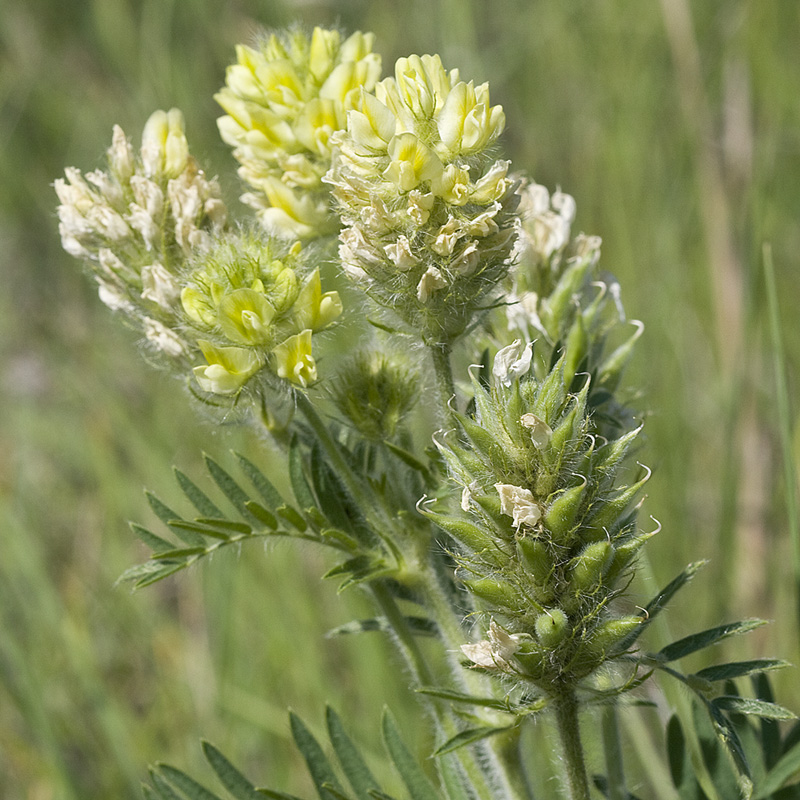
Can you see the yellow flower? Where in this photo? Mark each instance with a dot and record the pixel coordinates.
(283, 103)
(412, 162)
(293, 360)
(229, 368)
(313, 309)
(245, 316)
(164, 147)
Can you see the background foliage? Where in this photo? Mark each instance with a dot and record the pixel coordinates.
(675, 126)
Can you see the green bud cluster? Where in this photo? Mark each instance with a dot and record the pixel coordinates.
(375, 391)
(548, 531)
(428, 211)
(283, 101)
(249, 306)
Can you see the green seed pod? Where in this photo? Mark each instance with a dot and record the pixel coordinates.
(555, 307)
(590, 566)
(550, 396)
(483, 441)
(575, 350)
(552, 627)
(612, 368)
(470, 536)
(563, 511)
(610, 455)
(496, 593)
(492, 507)
(536, 558)
(533, 660)
(604, 520)
(603, 639)
(624, 554)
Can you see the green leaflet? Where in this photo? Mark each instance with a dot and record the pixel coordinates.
(749, 706)
(229, 776)
(418, 785)
(470, 736)
(199, 499)
(228, 486)
(355, 769)
(165, 791)
(264, 516)
(318, 765)
(738, 669)
(190, 787)
(419, 626)
(155, 543)
(658, 603)
(269, 494)
(302, 491)
(468, 699)
(699, 641)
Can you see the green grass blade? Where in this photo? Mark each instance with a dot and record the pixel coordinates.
(784, 419)
(787, 766)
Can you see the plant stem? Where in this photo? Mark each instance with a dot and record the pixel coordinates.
(440, 355)
(422, 676)
(613, 751)
(332, 450)
(566, 710)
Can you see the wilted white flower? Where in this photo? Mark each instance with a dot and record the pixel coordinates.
(512, 362)
(540, 430)
(494, 652)
(163, 338)
(518, 503)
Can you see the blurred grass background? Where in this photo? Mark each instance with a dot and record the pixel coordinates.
(676, 127)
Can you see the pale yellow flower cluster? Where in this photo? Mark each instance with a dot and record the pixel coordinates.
(429, 212)
(135, 223)
(283, 101)
(250, 309)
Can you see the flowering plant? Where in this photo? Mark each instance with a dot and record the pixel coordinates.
(453, 417)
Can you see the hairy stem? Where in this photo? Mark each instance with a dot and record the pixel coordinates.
(406, 643)
(566, 711)
(445, 387)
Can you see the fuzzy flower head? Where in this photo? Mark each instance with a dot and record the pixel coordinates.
(137, 222)
(428, 211)
(283, 101)
(252, 303)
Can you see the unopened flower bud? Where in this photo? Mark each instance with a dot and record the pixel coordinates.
(552, 627)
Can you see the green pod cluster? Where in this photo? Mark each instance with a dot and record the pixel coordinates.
(547, 529)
